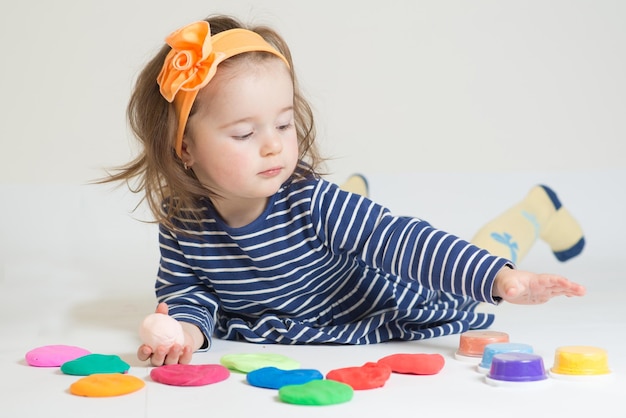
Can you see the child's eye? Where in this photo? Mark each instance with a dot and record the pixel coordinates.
(285, 126)
(242, 137)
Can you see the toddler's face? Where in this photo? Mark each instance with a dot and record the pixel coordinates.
(241, 140)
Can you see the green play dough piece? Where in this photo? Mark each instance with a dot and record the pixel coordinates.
(248, 362)
(316, 392)
(95, 363)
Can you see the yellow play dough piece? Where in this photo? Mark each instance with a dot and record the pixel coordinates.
(581, 360)
(104, 385)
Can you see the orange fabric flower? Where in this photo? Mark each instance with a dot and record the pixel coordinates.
(191, 63)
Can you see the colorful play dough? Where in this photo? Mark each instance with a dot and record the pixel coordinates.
(54, 355)
(95, 364)
(248, 362)
(422, 364)
(578, 360)
(500, 348)
(274, 378)
(369, 376)
(472, 344)
(509, 369)
(316, 392)
(160, 329)
(104, 385)
(189, 374)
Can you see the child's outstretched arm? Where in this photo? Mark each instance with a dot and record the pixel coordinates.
(526, 288)
(175, 353)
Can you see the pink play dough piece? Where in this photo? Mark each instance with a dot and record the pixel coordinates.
(160, 329)
(54, 355)
(189, 374)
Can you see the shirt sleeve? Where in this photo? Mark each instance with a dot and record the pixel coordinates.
(188, 297)
(403, 246)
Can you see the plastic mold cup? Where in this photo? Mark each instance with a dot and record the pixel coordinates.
(473, 343)
(517, 369)
(580, 363)
(500, 348)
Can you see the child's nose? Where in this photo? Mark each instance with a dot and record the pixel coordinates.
(272, 144)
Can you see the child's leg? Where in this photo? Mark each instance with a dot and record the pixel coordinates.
(539, 215)
(356, 183)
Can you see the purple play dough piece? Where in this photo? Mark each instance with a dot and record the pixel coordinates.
(54, 355)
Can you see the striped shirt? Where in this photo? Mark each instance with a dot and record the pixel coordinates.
(322, 265)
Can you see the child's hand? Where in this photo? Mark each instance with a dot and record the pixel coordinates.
(169, 354)
(166, 355)
(526, 288)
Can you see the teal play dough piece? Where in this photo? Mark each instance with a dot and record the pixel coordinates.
(316, 392)
(248, 362)
(275, 378)
(95, 363)
(54, 355)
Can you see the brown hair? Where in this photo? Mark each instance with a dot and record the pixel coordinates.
(157, 171)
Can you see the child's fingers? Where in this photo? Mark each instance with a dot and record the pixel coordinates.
(186, 356)
(144, 352)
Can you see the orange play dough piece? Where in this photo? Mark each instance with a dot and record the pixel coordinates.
(104, 385)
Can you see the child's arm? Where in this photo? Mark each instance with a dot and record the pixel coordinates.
(526, 288)
(194, 339)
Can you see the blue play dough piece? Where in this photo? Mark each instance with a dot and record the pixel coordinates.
(275, 378)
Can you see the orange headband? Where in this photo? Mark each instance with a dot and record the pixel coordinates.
(193, 61)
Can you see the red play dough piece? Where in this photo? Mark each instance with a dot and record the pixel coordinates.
(189, 374)
(423, 364)
(369, 376)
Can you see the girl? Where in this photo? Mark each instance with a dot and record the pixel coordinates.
(256, 246)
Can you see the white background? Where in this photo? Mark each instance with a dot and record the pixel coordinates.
(452, 109)
(403, 85)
